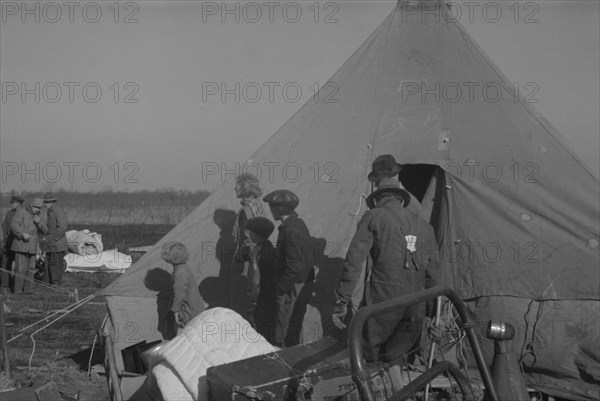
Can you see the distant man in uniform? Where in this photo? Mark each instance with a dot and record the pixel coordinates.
(56, 240)
(402, 247)
(8, 256)
(293, 265)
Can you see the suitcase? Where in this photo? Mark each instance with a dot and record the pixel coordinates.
(289, 374)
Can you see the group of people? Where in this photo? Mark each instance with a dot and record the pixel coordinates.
(394, 249)
(29, 232)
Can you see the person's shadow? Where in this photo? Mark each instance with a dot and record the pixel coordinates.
(228, 289)
(160, 280)
(329, 272)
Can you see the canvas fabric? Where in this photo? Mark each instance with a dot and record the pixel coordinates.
(518, 218)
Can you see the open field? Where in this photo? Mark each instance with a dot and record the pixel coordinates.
(62, 350)
(119, 208)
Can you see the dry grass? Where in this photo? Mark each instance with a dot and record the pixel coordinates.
(69, 379)
(118, 208)
(62, 350)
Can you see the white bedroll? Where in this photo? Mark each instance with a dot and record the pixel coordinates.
(84, 242)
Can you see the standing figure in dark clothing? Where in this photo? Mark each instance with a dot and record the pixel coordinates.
(247, 189)
(8, 255)
(26, 225)
(56, 241)
(294, 265)
(263, 284)
(402, 248)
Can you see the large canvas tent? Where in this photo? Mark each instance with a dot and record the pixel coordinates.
(516, 213)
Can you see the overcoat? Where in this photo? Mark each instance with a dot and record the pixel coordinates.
(23, 222)
(396, 271)
(56, 240)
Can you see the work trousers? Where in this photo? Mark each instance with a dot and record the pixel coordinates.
(8, 257)
(291, 308)
(24, 272)
(54, 267)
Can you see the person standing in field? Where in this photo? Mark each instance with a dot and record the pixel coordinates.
(262, 254)
(56, 240)
(187, 302)
(248, 190)
(294, 267)
(8, 256)
(26, 226)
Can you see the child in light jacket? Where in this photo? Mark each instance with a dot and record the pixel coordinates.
(187, 302)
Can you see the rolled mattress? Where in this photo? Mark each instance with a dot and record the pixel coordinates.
(84, 242)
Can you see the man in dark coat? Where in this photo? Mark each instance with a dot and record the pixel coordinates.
(294, 267)
(8, 256)
(56, 241)
(26, 226)
(402, 248)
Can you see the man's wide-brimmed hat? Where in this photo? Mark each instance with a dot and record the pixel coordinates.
(49, 197)
(384, 166)
(16, 199)
(37, 202)
(388, 185)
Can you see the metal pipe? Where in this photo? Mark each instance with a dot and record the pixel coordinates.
(425, 379)
(360, 374)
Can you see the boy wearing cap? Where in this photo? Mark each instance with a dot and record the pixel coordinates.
(261, 275)
(294, 266)
(56, 241)
(8, 256)
(26, 226)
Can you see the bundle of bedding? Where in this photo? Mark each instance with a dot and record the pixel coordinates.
(84, 242)
(217, 336)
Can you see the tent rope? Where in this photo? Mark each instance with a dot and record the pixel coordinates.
(355, 213)
(527, 349)
(64, 310)
(81, 303)
(40, 283)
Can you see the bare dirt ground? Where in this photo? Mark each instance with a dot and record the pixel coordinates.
(62, 352)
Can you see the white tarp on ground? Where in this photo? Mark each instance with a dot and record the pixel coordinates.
(178, 368)
(84, 242)
(111, 261)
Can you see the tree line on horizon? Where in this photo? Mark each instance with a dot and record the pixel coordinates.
(117, 199)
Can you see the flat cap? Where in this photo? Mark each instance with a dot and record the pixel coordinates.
(260, 225)
(282, 197)
(49, 197)
(16, 198)
(37, 202)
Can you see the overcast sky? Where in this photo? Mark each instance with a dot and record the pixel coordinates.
(129, 101)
